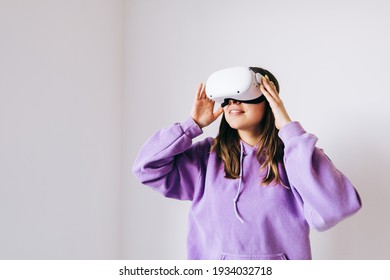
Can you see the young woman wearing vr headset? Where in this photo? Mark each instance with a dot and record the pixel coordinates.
(257, 187)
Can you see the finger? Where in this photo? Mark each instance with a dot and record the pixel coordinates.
(274, 87)
(199, 92)
(267, 95)
(218, 113)
(203, 92)
(271, 90)
(268, 86)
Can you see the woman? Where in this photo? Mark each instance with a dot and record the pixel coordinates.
(257, 188)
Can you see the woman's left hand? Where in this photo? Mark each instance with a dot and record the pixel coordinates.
(269, 90)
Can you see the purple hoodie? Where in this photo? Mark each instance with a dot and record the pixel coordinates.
(239, 218)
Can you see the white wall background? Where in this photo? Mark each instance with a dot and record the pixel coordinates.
(84, 83)
(60, 129)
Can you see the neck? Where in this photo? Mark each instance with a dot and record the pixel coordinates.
(250, 137)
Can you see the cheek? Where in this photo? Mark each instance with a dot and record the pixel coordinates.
(257, 115)
(233, 122)
(228, 118)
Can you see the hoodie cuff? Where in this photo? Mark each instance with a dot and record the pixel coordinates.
(191, 128)
(291, 130)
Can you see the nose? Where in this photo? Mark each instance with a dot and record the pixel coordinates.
(232, 101)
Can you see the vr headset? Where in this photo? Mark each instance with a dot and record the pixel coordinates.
(241, 84)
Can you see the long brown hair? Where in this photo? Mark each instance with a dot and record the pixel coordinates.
(227, 143)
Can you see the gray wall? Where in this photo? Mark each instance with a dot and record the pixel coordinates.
(60, 129)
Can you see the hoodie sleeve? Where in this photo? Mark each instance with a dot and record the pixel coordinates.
(328, 196)
(168, 162)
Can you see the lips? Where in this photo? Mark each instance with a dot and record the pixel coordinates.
(236, 112)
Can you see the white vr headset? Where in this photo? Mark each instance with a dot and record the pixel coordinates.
(235, 83)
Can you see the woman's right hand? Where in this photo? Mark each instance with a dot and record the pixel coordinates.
(203, 109)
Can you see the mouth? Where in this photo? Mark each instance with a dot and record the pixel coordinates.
(236, 112)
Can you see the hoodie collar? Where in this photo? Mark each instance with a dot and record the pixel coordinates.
(248, 149)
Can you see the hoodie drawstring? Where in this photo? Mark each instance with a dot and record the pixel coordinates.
(235, 200)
